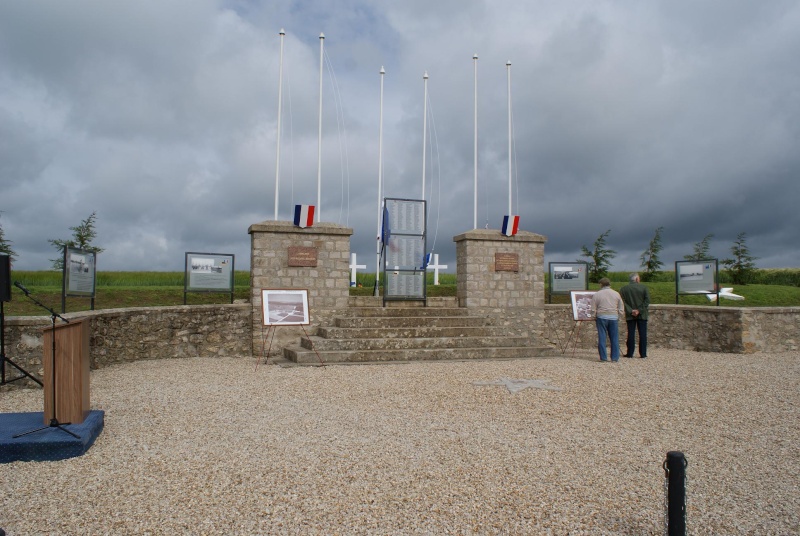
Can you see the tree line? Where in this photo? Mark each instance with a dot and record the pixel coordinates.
(741, 265)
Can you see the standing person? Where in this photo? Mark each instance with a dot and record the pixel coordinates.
(607, 307)
(637, 301)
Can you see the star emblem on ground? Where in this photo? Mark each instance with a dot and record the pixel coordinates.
(515, 385)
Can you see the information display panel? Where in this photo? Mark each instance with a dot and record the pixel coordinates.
(208, 272)
(405, 252)
(211, 272)
(404, 249)
(406, 216)
(568, 276)
(696, 277)
(405, 284)
(79, 272)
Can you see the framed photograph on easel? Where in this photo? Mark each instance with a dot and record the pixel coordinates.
(582, 305)
(284, 307)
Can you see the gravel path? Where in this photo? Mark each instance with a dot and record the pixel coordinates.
(216, 446)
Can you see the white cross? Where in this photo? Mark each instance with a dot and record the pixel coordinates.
(435, 265)
(353, 268)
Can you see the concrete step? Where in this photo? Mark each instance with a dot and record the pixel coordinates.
(301, 355)
(409, 331)
(412, 321)
(400, 343)
(364, 312)
(377, 301)
(395, 332)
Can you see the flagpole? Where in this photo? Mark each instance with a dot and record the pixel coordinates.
(475, 145)
(380, 182)
(280, 98)
(319, 144)
(424, 128)
(508, 68)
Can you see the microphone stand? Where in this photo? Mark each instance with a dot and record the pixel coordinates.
(54, 419)
(4, 359)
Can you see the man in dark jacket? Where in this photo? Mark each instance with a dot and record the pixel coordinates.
(637, 301)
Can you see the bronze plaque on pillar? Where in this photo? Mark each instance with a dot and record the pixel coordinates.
(302, 256)
(506, 262)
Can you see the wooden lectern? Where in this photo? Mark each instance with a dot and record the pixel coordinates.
(71, 387)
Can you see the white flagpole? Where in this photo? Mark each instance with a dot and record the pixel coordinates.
(319, 144)
(508, 68)
(280, 98)
(380, 182)
(475, 146)
(424, 129)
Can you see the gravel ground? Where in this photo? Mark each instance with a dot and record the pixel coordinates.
(220, 446)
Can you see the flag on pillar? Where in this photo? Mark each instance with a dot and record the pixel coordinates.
(304, 215)
(510, 225)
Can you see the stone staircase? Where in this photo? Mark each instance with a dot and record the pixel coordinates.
(409, 331)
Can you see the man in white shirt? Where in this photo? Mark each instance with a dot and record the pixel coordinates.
(607, 307)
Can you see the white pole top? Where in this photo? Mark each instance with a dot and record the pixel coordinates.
(474, 56)
(425, 76)
(321, 35)
(281, 32)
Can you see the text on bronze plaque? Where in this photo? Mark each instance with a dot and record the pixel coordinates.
(302, 256)
(506, 262)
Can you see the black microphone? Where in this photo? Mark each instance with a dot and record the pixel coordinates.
(21, 287)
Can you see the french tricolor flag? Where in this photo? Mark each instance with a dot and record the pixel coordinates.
(304, 215)
(510, 225)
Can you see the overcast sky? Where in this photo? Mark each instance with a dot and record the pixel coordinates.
(627, 116)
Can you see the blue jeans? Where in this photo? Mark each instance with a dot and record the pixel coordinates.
(609, 327)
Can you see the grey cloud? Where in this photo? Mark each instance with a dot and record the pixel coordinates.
(627, 116)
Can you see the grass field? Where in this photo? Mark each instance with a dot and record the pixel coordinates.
(147, 289)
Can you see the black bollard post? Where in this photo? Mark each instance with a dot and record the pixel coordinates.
(675, 469)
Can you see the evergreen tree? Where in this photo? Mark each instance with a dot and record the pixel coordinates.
(5, 245)
(650, 260)
(742, 265)
(700, 249)
(600, 258)
(82, 236)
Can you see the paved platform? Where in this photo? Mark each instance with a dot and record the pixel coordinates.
(46, 443)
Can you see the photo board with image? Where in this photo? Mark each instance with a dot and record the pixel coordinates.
(284, 307)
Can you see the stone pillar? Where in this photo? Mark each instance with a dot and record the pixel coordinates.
(498, 271)
(327, 281)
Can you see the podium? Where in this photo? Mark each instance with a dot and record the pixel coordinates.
(71, 364)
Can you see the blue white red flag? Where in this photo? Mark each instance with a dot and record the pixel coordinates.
(304, 215)
(510, 225)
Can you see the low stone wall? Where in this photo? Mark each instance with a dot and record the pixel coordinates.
(703, 329)
(122, 335)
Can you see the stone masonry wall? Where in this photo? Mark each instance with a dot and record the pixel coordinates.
(682, 327)
(328, 283)
(124, 335)
(480, 284)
